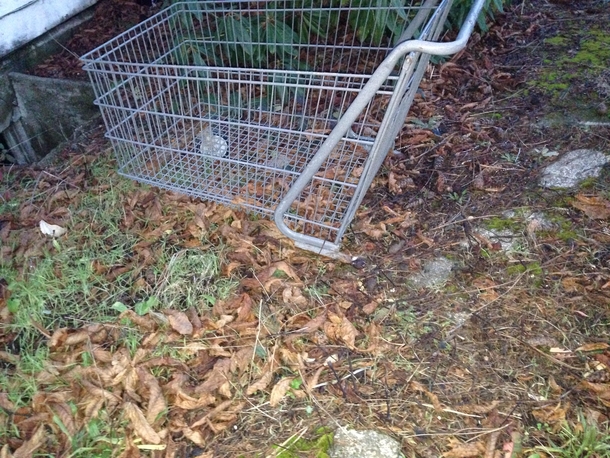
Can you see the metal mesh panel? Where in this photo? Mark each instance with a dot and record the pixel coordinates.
(231, 101)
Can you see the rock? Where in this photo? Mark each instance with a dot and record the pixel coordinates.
(573, 167)
(363, 444)
(505, 238)
(435, 273)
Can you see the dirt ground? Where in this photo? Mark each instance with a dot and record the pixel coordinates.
(492, 362)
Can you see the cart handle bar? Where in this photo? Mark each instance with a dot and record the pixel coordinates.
(351, 114)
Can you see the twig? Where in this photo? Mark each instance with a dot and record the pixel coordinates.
(468, 219)
(476, 434)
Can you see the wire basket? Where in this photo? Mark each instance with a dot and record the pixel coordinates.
(287, 108)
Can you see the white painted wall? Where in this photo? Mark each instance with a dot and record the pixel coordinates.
(23, 20)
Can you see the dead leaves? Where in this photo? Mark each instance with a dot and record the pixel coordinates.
(464, 449)
(140, 424)
(339, 328)
(595, 207)
(194, 399)
(180, 322)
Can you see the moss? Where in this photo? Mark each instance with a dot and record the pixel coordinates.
(516, 269)
(564, 229)
(533, 270)
(556, 41)
(498, 223)
(594, 51)
(317, 447)
(578, 54)
(588, 183)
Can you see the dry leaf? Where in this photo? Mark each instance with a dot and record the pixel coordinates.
(294, 295)
(156, 400)
(212, 413)
(260, 384)
(310, 384)
(431, 396)
(139, 423)
(594, 207)
(5, 452)
(593, 346)
(340, 328)
(554, 415)
(64, 414)
(462, 450)
(194, 436)
(479, 181)
(279, 391)
(76, 338)
(179, 322)
(28, 448)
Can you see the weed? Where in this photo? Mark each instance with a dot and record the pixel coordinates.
(583, 440)
(458, 197)
(511, 158)
(318, 446)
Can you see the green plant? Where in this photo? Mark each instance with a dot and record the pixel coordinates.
(297, 446)
(460, 10)
(458, 197)
(272, 35)
(509, 157)
(582, 440)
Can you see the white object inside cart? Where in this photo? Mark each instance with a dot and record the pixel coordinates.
(212, 145)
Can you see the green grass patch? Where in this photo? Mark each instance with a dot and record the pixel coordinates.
(317, 446)
(98, 267)
(581, 440)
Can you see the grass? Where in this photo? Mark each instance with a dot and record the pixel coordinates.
(580, 440)
(102, 266)
(80, 277)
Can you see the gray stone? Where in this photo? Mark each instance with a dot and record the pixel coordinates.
(364, 444)
(434, 273)
(507, 240)
(573, 167)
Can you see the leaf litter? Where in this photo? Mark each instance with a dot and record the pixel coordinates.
(302, 341)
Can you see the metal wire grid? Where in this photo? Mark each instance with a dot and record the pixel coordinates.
(159, 90)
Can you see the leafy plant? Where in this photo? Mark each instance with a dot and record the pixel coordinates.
(583, 440)
(271, 37)
(460, 10)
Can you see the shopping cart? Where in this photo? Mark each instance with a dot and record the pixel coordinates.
(286, 108)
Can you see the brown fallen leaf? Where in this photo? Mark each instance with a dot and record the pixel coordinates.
(5, 452)
(279, 391)
(464, 450)
(194, 436)
(554, 415)
(595, 207)
(64, 415)
(139, 424)
(431, 396)
(179, 322)
(28, 448)
(340, 328)
(260, 384)
(294, 295)
(593, 346)
(156, 401)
